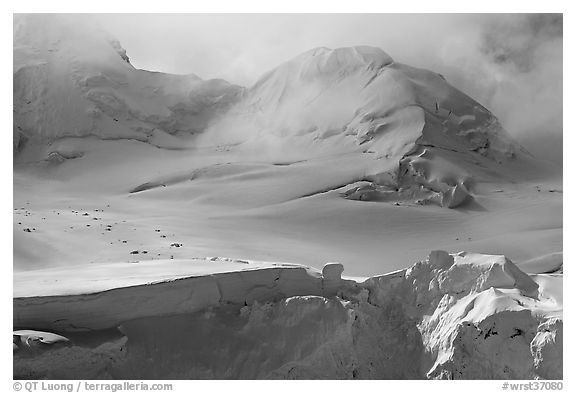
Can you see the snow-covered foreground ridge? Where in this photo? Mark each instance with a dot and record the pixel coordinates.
(460, 316)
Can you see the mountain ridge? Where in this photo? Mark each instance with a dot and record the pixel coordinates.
(323, 101)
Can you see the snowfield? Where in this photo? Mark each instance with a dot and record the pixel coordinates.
(144, 203)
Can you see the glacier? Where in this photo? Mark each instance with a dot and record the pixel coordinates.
(451, 316)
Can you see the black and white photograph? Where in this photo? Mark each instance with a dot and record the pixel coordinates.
(287, 196)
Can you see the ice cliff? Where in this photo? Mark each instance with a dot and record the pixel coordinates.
(460, 316)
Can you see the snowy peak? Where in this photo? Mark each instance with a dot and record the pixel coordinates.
(62, 37)
(327, 60)
(72, 79)
(328, 63)
(121, 51)
(423, 132)
(361, 95)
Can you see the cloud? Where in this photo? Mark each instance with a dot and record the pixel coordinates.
(510, 63)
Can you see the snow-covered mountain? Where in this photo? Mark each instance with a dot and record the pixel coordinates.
(72, 80)
(421, 131)
(142, 201)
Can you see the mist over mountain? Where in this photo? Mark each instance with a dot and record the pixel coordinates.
(510, 63)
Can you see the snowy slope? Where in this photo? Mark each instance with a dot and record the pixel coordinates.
(116, 164)
(461, 316)
(72, 80)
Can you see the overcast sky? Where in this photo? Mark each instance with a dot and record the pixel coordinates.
(511, 63)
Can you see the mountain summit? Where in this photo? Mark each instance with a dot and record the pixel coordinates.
(424, 134)
(71, 79)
